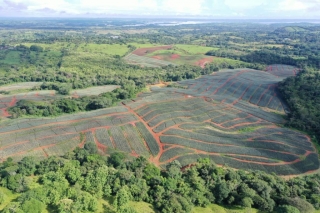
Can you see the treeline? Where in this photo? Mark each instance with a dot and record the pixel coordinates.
(115, 73)
(60, 106)
(302, 93)
(76, 183)
(267, 57)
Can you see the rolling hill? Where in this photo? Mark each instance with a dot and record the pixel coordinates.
(234, 117)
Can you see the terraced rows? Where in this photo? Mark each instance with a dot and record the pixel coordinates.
(225, 117)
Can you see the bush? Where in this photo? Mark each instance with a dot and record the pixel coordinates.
(302, 205)
(287, 209)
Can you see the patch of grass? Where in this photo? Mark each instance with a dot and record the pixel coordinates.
(248, 129)
(144, 44)
(11, 58)
(195, 49)
(214, 208)
(9, 196)
(142, 207)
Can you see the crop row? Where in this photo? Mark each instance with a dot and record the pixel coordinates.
(119, 139)
(258, 112)
(62, 148)
(135, 140)
(155, 97)
(103, 137)
(174, 152)
(253, 159)
(223, 140)
(209, 147)
(309, 164)
(149, 139)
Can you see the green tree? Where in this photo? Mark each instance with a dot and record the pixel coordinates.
(121, 202)
(33, 206)
(287, 209)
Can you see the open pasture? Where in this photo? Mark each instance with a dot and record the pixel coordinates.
(19, 86)
(93, 90)
(225, 116)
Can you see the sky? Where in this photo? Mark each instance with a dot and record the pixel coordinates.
(245, 9)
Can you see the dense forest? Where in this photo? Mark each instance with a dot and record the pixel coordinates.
(302, 93)
(76, 183)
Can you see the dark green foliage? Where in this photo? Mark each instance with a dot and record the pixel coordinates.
(302, 205)
(91, 147)
(33, 206)
(303, 97)
(287, 209)
(71, 105)
(36, 48)
(116, 159)
(75, 184)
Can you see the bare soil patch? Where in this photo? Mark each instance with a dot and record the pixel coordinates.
(202, 62)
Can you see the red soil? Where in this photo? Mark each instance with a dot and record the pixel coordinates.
(75, 95)
(153, 159)
(175, 56)
(157, 57)
(13, 102)
(202, 62)
(144, 51)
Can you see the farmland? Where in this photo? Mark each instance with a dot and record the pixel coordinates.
(155, 56)
(228, 116)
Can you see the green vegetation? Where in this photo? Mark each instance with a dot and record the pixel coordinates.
(83, 181)
(194, 49)
(302, 95)
(66, 56)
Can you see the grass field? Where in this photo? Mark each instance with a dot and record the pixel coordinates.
(13, 57)
(109, 49)
(194, 49)
(228, 117)
(184, 54)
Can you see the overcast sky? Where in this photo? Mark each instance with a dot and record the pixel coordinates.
(251, 9)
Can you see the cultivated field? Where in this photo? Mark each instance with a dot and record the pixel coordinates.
(282, 71)
(226, 116)
(164, 55)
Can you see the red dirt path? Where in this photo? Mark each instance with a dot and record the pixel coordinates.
(202, 62)
(157, 57)
(175, 56)
(13, 102)
(144, 51)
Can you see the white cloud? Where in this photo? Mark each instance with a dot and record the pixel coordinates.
(183, 6)
(293, 5)
(228, 8)
(239, 5)
(137, 7)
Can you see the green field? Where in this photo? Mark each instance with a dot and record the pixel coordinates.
(109, 49)
(194, 49)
